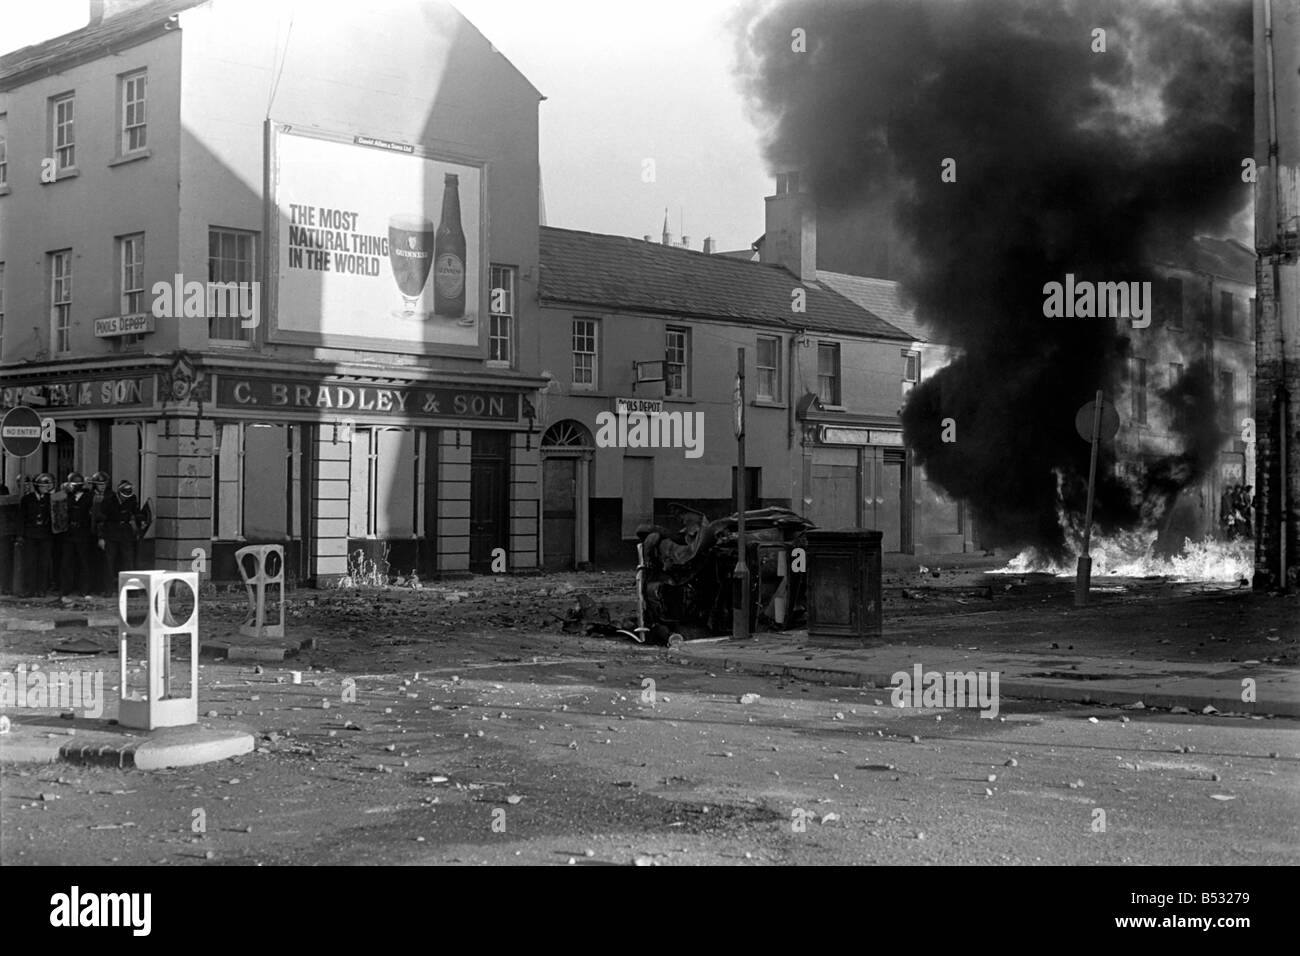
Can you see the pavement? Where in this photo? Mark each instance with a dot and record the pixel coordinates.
(1031, 674)
(42, 738)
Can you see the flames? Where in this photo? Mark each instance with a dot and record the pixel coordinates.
(1132, 555)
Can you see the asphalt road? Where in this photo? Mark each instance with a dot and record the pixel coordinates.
(533, 749)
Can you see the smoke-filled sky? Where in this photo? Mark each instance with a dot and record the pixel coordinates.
(1068, 160)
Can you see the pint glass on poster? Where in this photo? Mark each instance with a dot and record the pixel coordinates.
(410, 250)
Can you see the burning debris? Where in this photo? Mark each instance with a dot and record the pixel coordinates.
(1018, 141)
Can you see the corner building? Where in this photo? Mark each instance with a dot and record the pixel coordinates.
(365, 183)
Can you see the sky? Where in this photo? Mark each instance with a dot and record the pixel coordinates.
(625, 81)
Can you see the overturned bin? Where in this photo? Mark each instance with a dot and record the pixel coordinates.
(844, 585)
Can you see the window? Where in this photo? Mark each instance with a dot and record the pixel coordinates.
(1171, 302)
(584, 352)
(131, 255)
(1138, 386)
(232, 257)
(1227, 400)
(769, 368)
(257, 477)
(61, 300)
(828, 372)
(4, 150)
(2, 311)
(677, 357)
(132, 86)
(1175, 373)
(385, 472)
(911, 370)
(502, 314)
(1225, 314)
(65, 149)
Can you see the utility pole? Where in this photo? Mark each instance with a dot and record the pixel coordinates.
(1277, 339)
(740, 577)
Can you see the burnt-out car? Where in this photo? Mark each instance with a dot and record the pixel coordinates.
(686, 578)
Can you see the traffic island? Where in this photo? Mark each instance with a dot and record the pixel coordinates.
(50, 739)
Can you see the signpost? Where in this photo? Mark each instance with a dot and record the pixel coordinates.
(20, 431)
(1102, 422)
(740, 578)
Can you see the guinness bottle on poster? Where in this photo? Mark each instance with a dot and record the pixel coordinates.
(449, 255)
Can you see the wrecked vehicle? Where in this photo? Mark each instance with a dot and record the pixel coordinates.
(686, 575)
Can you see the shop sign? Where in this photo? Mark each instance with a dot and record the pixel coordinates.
(404, 401)
(836, 435)
(626, 406)
(115, 325)
(102, 393)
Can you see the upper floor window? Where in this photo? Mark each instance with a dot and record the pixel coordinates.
(4, 150)
(502, 315)
(1170, 302)
(63, 120)
(232, 258)
(1138, 386)
(131, 276)
(828, 372)
(677, 357)
(1226, 324)
(1227, 400)
(911, 370)
(769, 368)
(61, 300)
(134, 136)
(584, 352)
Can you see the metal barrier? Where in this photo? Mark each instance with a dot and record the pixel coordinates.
(168, 593)
(262, 567)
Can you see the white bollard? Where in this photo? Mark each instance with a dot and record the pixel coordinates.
(158, 705)
(267, 570)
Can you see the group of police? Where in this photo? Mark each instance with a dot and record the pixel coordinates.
(75, 543)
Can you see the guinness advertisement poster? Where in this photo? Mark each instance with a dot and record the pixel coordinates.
(379, 246)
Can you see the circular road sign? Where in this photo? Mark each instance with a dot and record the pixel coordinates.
(1109, 421)
(20, 431)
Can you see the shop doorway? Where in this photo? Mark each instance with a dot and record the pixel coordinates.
(489, 469)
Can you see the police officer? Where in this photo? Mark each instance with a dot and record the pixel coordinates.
(119, 529)
(99, 482)
(36, 536)
(77, 565)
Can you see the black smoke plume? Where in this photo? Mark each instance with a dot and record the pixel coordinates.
(1068, 160)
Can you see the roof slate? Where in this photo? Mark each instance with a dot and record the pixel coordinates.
(616, 272)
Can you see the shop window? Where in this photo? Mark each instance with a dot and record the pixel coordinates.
(383, 492)
(255, 479)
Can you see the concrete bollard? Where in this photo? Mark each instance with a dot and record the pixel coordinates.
(262, 567)
(159, 705)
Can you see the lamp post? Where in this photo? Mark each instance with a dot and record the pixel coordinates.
(740, 577)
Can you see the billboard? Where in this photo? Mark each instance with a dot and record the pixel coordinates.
(377, 245)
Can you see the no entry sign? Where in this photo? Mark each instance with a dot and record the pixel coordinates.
(20, 431)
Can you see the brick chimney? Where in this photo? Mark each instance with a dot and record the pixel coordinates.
(708, 245)
(790, 237)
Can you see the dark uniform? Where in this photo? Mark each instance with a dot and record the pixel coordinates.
(37, 538)
(119, 519)
(98, 560)
(79, 550)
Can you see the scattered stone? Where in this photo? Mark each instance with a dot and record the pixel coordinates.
(748, 698)
(1210, 709)
(213, 713)
(1012, 762)
(993, 778)
(915, 739)
(514, 798)
(1179, 710)
(1222, 796)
